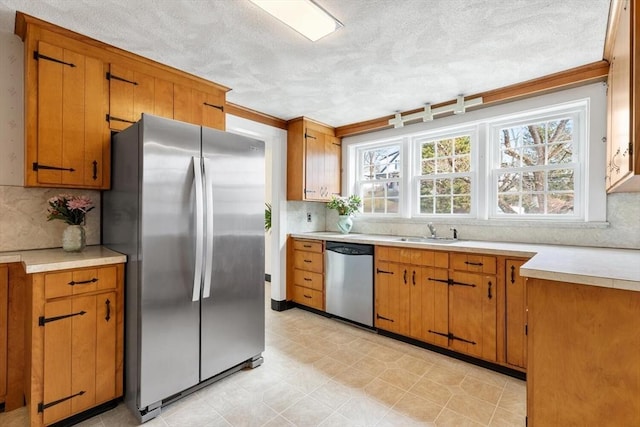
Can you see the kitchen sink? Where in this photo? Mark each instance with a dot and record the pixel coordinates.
(441, 240)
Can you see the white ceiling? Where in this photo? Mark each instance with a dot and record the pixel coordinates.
(391, 55)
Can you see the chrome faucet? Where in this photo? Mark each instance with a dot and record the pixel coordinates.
(432, 230)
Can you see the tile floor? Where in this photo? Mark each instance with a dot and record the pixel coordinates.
(321, 372)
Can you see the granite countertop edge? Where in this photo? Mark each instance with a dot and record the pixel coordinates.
(44, 260)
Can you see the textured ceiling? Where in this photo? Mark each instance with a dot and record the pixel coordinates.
(391, 55)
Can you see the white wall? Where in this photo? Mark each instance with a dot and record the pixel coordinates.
(275, 182)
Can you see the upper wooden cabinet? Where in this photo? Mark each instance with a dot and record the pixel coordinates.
(67, 137)
(314, 159)
(132, 93)
(623, 159)
(78, 89)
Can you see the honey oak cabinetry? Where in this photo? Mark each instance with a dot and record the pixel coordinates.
(623, 157)
(78, 89)
(132, 93)
(314, 156)
(67, 136)
(4, 328)
(582, 365)
(308, 273)
(515, 314)
(74, 337)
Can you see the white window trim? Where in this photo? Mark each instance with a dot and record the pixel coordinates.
(418, 139)
(577, 111)
(595, 199)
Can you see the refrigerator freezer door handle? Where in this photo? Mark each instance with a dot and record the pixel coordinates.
(197, 274)
(208, 263)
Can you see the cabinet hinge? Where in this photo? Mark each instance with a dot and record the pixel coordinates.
(44, 320)
(451, 336)
(219, 107)
(383, 318)
(378, 271)
(117, 119)
(36, 167)
(37, 55)
(42, 406)
(114, 77)
(306, 135)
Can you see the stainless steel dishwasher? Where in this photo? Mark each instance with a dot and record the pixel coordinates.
(349, 281)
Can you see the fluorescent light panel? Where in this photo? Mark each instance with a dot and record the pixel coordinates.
(304, 16)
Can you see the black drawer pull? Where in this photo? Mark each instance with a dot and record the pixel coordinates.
(307, 260)
(83, 282)
(307, 280)
(307, 246)
(479, 264)
(307, 296)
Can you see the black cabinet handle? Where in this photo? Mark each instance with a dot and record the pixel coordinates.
(307, 296)
(307, 280)
(108, 304)
(479, 264)
(413, 277)
(405, 276)
(513, 274)
(307, 260)
(95, 170)
(489, 291)
(83, 282)
(306, 246)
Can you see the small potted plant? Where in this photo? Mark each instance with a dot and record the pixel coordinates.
(346, 207)
(72, 210)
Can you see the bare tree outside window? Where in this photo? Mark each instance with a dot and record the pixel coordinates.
(537, 168)
(379, 179)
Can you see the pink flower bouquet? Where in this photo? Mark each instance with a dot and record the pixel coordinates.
(70, 209)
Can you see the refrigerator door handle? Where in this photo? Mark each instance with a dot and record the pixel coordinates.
(197, 275)
(208, 263)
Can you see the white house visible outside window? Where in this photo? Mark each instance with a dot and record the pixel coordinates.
(379, 178)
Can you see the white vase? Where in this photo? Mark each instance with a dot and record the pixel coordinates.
(73, 238)
(345, 223)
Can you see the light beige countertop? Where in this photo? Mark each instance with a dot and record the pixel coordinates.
(43, 260)
(605, 267)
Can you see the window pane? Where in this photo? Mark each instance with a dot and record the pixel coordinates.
(426, 187)
(560, 153)
(443, 204)
(462, 164)
(462, 185)
(380, 163)
(561, 179)
(428, 150)
(462, 204)
(559, 130)
(444, 165)
(428, 167)
(393, 205)
(560, 203)
(426, 205)
(509, 203)
(533, 203)
(445, 147)
(463, 145)
(443, 186)
(509, 182)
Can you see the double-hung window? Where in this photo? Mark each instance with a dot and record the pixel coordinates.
(536, 167)
(379, 177)
(444, 177)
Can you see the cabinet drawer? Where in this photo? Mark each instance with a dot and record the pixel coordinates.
(307, 245)
(308, 261)
(475, 263)
(309, 297)
(74, 282)
(308, 279)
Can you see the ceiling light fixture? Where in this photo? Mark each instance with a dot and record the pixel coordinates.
(304, 16)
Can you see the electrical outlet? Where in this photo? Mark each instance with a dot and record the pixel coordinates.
(308, 216)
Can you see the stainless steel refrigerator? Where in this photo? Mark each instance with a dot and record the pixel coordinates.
(186, 206)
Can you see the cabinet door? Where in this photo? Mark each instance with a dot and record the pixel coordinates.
(106, 309)
(332, 166)
(57, 361)
(314, 165)
(132, 93)
(83, 353)
(200, 108)
(431, 299)
(619, 156)
(72, 134)
(472, 314)
(393, 293)
(516, 294)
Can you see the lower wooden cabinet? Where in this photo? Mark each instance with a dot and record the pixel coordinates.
(307, 273)
(75, 341)
(515, 314)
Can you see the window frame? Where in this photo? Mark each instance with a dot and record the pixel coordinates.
(416, 168)
(358, 183)
(577, 112)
